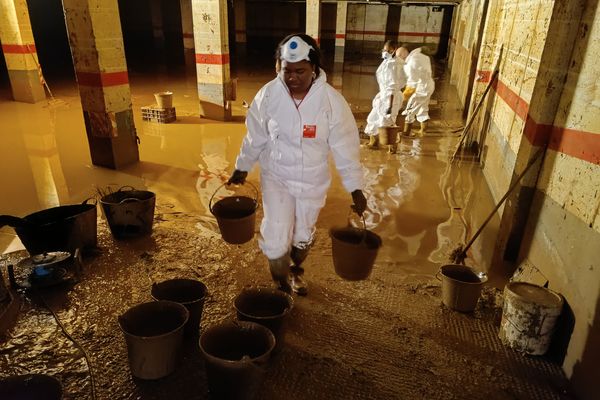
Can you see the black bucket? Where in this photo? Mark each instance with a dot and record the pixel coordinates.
(237, 355)
(30, 387)
(266, 306)
(153, 334)
(129, 213)
(188, 292)
(236, 216)
(354, 252)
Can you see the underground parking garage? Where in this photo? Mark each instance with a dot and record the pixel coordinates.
(131, 269)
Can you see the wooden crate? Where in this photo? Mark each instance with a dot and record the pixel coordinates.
(160, 115)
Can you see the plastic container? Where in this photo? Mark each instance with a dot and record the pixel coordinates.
(188, 292)
(354, 252)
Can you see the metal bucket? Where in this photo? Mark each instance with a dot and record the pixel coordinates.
(164, 99)
(354, 252)
(236, 354)
(153, 333)
(236, 216)
(129, 213)
(461, 287)
(529, 317)
(265, 306)
(188, 292)
(30, 387)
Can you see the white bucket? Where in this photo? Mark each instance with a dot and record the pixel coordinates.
(529, 317)
(164, 99)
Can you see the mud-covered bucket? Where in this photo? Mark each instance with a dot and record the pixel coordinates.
(236, 216)
(266, 306)
(354, 251)
(236, 355)
(153, 334)
(129, 213)
(461, 287)
(30, 387)
(188, 292)
(387, 134)
(529, 317)
(164, 99)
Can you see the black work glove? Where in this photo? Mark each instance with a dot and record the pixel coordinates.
(238, 177)
(388, 111)
(360, 202)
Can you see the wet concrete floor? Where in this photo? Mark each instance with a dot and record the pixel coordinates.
(386, 337)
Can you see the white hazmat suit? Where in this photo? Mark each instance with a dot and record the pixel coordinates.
(419, 74)
(389, 83)
(292, 145)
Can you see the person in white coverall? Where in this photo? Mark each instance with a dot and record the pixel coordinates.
(386, 102)
(419, 88)
(293, 123)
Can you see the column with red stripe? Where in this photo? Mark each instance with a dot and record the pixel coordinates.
(340, 32)
(187, 29)
(18, 46)
(212, 58)
(99, 59)
(313, 19)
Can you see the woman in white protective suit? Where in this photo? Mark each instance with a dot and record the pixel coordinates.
(419, 88)
(293, 123)
(386, 102)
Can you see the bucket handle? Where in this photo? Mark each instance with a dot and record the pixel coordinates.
(210, 204)
(438, 275)
(129, 200)
(131, 188)
(85, 202)
(364, 228)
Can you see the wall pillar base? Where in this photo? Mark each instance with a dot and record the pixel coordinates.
(26, 86)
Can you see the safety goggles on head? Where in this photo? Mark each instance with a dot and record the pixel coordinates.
(295, 49)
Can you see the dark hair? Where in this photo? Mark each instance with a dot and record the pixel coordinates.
(391, 43)
(314, 54)
(411, 46)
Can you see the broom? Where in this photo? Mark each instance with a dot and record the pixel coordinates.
(458, 255)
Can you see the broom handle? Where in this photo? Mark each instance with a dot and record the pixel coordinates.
(475, 111)
(502, 200)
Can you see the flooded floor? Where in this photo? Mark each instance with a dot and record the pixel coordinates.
(386, 337)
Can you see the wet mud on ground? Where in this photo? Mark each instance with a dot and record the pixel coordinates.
(387, 337)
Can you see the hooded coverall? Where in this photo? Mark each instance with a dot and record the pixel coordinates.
(292, 143)
(418, 71)
(388, 80)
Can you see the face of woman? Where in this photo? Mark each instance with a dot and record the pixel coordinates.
(388, 48)
(298, 76)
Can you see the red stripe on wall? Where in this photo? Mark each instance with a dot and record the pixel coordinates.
(340, 36)
(18, 48)
(102, 79)
(579, 144)
(215, 59)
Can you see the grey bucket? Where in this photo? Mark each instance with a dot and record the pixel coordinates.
(236, 216)
(188, 292)
(354, 252)
(154, 333)
(461, 287)
(236, 355)
(30, 387)
(265, 306)
(529, 317)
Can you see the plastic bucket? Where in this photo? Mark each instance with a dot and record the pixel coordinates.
(461, 287)
(236, 354)
(164, 99)
(354, 251)
(387, 134)
(153, 334)
(30, 387)
(236, 216)
(529, 317)
(265, 306)
(129, 213)
(188, 292)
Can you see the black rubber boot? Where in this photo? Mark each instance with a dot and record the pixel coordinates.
(297, 282)
(280, 271)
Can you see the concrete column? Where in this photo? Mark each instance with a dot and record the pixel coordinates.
(19, 51)
(313, 19)
(99, 58)
(561, 33)
(239, 8)
(187, 28)
(340, 32)
(212, 58)
(158, 32)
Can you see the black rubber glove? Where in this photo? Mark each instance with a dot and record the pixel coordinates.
(360, 202)
(238, 177)
(388, 111)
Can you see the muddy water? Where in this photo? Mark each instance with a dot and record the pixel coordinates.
(376, 337)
